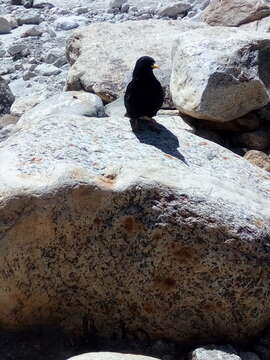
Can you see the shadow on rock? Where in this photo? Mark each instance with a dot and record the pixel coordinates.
(158, 136)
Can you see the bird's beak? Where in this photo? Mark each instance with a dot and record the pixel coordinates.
(155, 67)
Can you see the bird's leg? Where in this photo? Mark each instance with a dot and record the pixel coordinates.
(134, 122)
(153, 125)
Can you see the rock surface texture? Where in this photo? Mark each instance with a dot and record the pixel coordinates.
(129, 231)
(108, 72)
(6, 97)
(235, 12)
(215, 353)
(220, 74)
(258, 158)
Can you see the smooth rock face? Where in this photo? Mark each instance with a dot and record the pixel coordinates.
(25, 103)
(11, 20)
(174, 9)
(220, 74)
(47, 69)
(6, 97)
(167, 213)
(110, 356)
(108, 72)
(258, 158)
(5, 26)
(235, 12)
(71, 102)
(215, 353)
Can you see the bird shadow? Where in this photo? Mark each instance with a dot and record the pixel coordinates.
(158, 136)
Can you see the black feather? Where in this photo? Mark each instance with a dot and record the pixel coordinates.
(144, 95)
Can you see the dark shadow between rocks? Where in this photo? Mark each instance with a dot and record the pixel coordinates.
(158, 136)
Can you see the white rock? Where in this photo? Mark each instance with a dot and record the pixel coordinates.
(30, 17)
(54, 54)
(216, 75)
(108, 72)
(16, 48)
(110, 356)
(78, 103)
(6, 97)
(12, 20)
(215, 353)
(235, 12)
(116, 3)
(70, 22)
(174, 9)
(25, 103)
(35, 30)
(5, 26)
(47, 69)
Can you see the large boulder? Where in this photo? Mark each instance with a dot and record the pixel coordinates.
(6, 97)
(164, 234)
(220, 74)
(235, 12)
(116, 48)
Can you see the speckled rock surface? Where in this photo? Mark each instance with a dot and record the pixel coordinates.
(220, 74)
(215, 353)
(70, 102)
(235, 12)
(6, 97)
(131, 232)
(25, 103)
(108, 72)
(258, 158)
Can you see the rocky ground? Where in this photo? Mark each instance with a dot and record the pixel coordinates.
(40, 56)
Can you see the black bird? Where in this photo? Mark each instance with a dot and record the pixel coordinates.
(144, 95)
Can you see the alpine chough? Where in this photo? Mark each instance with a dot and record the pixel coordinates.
(144, 95)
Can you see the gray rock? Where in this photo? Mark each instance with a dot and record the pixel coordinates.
(78, 103)
(174, 9)
(6, 132)
(70, 22)
(116, 4)
(81, 10)
(234, 13)
(6, 97)
(35, 30)
(122, 45)
(8, 119)
(5, 26)
(31, 17)
(25, 103)
(47, 70)
(220, 75)
(39, 4)
(29, 75)
(11, 20)
(215, 353)
(16, 49)
(100, 191)
(54, 54)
